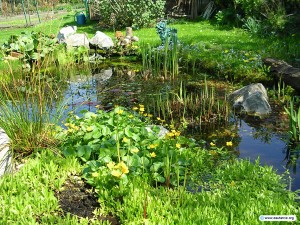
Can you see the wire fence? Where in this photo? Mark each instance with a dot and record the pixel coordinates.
(18, 7)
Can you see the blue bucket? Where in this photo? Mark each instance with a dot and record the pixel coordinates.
(80, 18)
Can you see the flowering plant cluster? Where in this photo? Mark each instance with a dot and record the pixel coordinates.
(117, 146)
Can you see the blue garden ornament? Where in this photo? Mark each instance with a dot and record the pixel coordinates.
(166, 33)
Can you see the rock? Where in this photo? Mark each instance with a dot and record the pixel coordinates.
(134, 39)
(288, 74)
(129, 32)
(65, 32)
(5, 154)
(76, 40)
(252, 99)
(162, 131)
(102, 40)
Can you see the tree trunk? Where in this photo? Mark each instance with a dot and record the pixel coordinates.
(194, 9)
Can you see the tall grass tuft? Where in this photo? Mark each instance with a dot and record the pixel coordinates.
(29, 111)
(162, 61)
(195, 107)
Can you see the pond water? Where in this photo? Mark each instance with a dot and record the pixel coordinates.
(127, 87)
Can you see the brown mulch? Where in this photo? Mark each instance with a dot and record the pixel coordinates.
(78, 199)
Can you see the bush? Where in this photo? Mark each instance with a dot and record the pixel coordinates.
(133, 13)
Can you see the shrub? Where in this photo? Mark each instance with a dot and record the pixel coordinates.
(133, 13)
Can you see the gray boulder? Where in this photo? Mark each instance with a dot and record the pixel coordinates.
(252, 99)
(5, 154)
(101, 40)
(162, 131)
(76, 40)
(65, 32)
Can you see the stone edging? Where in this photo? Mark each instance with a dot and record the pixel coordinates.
(5, 154)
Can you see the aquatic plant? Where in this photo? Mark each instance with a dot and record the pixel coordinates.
(294, 117)
(191, 107)
(162, 61)
(30, 110)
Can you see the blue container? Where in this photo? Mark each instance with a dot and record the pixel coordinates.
(80, 18)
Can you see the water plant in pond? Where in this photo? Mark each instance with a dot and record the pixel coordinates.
(162, 61)
(294, 117)
(30, 111)
(191, 107)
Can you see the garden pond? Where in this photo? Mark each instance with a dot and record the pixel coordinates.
(251, 137)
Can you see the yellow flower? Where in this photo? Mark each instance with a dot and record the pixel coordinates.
(116, 173)
(232, 183)
(88, 129)
(171, 126)
(158, 118)
(120, 111)
(95, 174)
(125, 139)
(135, 108)
(173, 131)
(170, 134)
(142, 109)
(145, 114)
(70, 130)
(98, 106)
(213, 152)
(178, 145)
(152, 146)
(177, 133)
(130, 116)
(150, 115)
(123, 167)
(212, 144)
(111, 165)
(135, 150)
(152, 154)
(229, 143)
(141, 106)
(226, 51)
(67, 124)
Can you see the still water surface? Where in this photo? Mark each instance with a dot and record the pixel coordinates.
(87, 92)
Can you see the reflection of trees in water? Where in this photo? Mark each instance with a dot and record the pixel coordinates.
(292, 154)
(264, 129)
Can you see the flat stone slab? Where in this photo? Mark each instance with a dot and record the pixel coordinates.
(5, 154)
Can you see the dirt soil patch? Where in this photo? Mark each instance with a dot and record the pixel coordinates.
(78, 199)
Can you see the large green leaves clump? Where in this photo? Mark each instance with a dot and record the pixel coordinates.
(32, 45)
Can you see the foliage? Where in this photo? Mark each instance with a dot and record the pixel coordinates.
(166, 33)
(118, 146)
(227, 16)
(134, 13)
(238, 194)
(27, 196)
(294, 116)
(33, 45)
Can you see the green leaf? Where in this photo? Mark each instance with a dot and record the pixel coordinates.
(144, 161)
(29, 47)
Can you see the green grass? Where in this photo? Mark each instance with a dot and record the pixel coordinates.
(29, 194)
